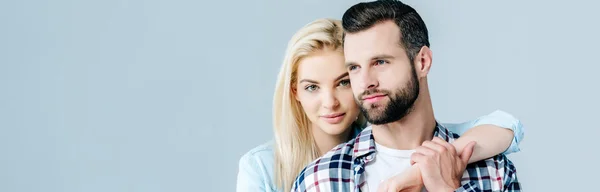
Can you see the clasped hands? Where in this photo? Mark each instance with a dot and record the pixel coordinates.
(435, 165)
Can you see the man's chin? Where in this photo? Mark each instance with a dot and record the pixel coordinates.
(373, 106)
(374, 115)
(376, 121)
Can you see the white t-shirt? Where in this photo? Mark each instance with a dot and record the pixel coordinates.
(387, 163)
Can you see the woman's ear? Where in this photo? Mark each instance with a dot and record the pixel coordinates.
(295, 93)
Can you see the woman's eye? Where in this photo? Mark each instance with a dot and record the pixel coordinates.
(311, 88)
(345, 83)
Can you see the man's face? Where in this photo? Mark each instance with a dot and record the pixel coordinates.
(383, 78)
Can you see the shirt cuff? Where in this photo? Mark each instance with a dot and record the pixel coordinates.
(506, 120)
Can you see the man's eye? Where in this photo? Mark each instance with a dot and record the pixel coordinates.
(380, 62)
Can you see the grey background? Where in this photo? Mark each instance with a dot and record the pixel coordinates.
(131, 95)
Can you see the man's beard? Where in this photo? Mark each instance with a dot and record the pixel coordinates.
(400, 105)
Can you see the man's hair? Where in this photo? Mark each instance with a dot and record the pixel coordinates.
(413, 31)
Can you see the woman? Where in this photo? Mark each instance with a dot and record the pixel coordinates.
(314, 110)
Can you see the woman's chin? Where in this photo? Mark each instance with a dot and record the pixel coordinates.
(335, 129)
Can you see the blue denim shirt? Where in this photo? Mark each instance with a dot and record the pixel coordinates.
(256, 172)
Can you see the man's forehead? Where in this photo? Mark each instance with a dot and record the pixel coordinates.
(379, 39)
(386, 28)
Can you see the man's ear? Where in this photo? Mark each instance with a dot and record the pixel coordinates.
(423, 61)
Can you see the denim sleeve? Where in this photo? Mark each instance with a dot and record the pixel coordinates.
(250, 177)
(498, 118)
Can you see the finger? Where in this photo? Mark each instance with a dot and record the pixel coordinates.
(421, 152)
(394, 187)
(444, 143)
(467, 152)
(417, 157)
(391, 185)
(398, 182)
(434, 146)
(382, 187)
(425, 151)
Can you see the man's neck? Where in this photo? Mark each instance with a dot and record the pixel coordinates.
(410, 131)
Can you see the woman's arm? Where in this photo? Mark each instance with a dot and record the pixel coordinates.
(495, 133)
(490, 140)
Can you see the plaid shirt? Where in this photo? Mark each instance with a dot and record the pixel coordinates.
(342, 168)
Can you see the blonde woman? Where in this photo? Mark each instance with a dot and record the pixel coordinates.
(314, 110)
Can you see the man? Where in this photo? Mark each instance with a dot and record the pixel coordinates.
(388, 58)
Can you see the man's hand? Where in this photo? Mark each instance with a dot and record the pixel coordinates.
(408, 181)
(441, 168)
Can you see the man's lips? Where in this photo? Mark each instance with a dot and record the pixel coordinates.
(373, 98)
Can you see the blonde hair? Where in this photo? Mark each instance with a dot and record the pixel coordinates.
(294, 143)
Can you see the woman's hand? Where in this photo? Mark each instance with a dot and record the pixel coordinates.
(408, 181)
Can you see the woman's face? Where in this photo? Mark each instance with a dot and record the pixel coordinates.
(323, 89)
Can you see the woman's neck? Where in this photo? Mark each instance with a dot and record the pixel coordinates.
(325, 142)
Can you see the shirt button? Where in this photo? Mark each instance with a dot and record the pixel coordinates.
(369, 157)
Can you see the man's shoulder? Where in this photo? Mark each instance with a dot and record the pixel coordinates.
(346, 148)
(498, 165)
(495, 173)
(342, 153)
(333, 167)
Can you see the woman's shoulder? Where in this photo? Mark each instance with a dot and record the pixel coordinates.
(265, 148)
(259, 156)
(256, 168)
